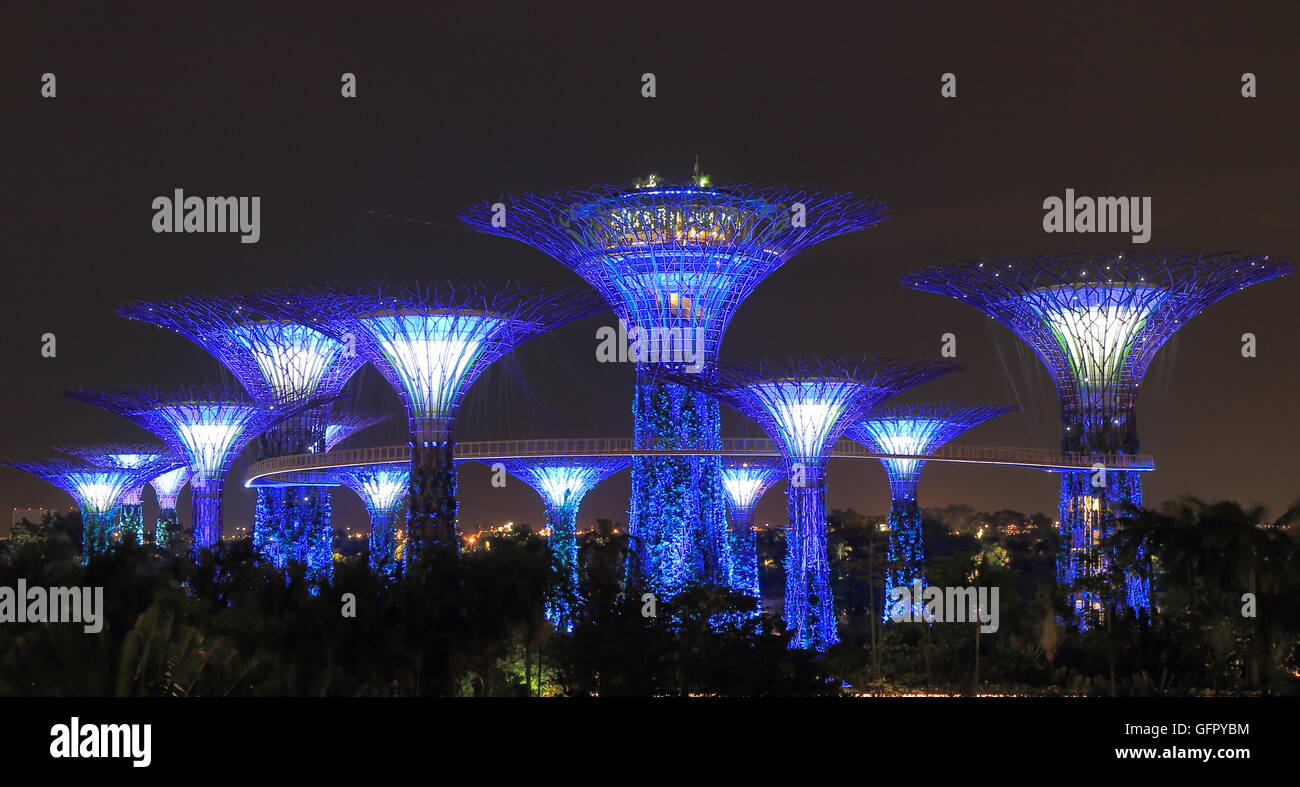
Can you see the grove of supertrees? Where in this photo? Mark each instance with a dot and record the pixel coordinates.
(98, 491)
(1097, 321)
(562, 483)
(431, 341)
(131, 516)
(902, 433)
(275, 360)
(745, 480)
(674, 262)
(805, 406)
(208, 426)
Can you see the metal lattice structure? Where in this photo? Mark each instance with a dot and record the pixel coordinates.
(98, 491)
(131, 516)
(1097, 322)
(167, 486)
(805, 406)
(341, 426)
(274, 359)
(562, 483)
(675, 262)
(917, 429)
(431, 341)
(745, 480)
(208, 426)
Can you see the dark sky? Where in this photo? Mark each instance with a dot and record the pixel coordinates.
(463, 102)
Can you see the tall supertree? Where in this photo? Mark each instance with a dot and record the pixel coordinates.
(341, 426)
(805, 406)
(98, 491)
(1097, 321)
(131, 455)
(431, 341)
(208, 426)
(274, 359)
(562, 483)
(675, 262)
(903, 432)
(167, 486)
(745, 480)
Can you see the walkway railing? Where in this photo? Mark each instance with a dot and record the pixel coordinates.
(304, 467)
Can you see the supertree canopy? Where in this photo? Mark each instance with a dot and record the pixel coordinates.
(745, 480)
(131, 512)
(167, 486)
(208, 426)
(805, 406)
(675, 262)
(274, 359)
(905, 431)
(562, 483)
(382, 489)
(1097, 321)
(341, 426)
(98, 491)
(431, 341)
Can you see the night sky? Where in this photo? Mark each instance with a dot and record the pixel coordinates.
(465, 102)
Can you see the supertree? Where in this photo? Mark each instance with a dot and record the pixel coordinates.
(167, 486)
(903, 432)
(274, 359)
(431, 341)
(341, 426)
(1097, 321)
(382, 489)
(562, 483)
(745, 480)
(208, 426)
(805, 406)
(675, 262)
(97, 490)
(131, 516)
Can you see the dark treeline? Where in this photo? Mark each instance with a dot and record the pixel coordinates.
(229, 624)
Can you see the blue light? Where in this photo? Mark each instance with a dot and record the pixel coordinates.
(293, 359)
(382, 489)
(745, 482)
(562, 483)
(913, 430)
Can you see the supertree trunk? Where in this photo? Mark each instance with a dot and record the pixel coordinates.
(743, 554)
(131, 519)
(96, 526)
(207, 499)
(167, 531)
(1087, 519)
(383, 542)
(906, 553)
(562, 521)
(809, 605)
(431, 521)
(678, 517)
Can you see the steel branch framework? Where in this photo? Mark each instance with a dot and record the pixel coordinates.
(562, 483)
(98, 491)
(341, 426)
(675, 262)
(208, 426)
(916, 429)
(131, 516)
(431, 341)
(1097, 321)
(274, 359)
(805, 406)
